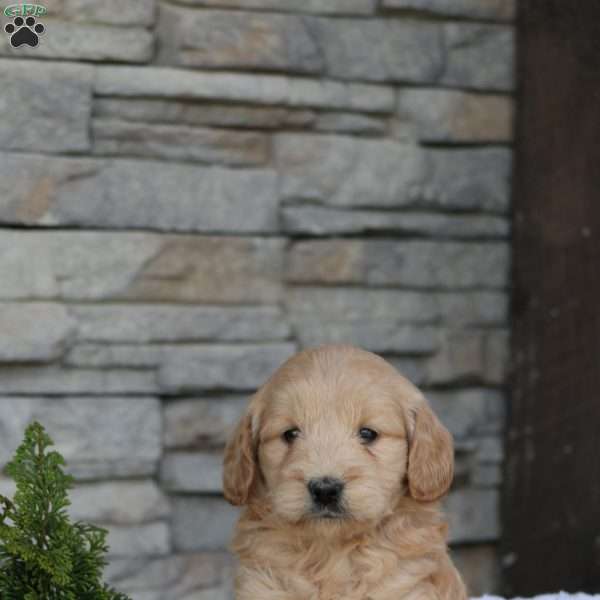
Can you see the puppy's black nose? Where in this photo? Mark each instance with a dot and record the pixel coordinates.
(326, 491)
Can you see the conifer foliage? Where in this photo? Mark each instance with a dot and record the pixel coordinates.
(43, 555)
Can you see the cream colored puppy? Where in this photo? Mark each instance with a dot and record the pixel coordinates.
(339, 461)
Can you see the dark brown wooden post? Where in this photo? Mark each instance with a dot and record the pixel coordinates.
(551, 507)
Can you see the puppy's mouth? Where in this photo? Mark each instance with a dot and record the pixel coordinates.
(328, 513)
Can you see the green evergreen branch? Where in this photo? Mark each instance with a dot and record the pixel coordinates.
(43, 556)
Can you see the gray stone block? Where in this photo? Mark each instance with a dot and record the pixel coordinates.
(381, 50)
(497, 356)
(115, 194)
(351, 172)
(470, 180)
(112, 12)
(450, 116)
(201, 422)
(473, 308)
(149, 323)
(470, 356)
(487, 475)
(451, 309)
(316, 220)
(99, 437)
(327, 262)
(118, 356)
(202, 523)
(438, 264)
(479, 56)
(420, 264)
(410, 367)
(49, 106)
(179, 143)
(473, 515)
(385, 321)
(35, 332)
(174, 577)
(370, 50)
(161, 82)
(7, 486)
(79, 41)
(357, 304)
(235, 367)
(40, 380)
(212, 114)
(118, 502)
(500, 10)
(233, 39)
(344, 171)
(92, 265)
(376, 335)
(340, 122)
(149, 539)
(199, 472)
(490, 450)
(325, 7)
(470, 412)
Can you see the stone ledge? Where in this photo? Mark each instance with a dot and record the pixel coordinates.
(99, 437)
(317, 220)
(325, 7)
(234, 367)
(49, 106)
(105, 193)
(202, 523)
(164, 82)
(111, 12)
(96, 43)
(493, 10)
(402, 263)
(118, 502)
(171, 578)
(232, 148)
(193, 423)
(152, 323)
(148, 539)
(342, 171)
(469, 412)
(35, 332)
(140, 266)
(448, 309)
(57, 380)
(408, 50)
(473, 515)
(199, 472)
(450, 116)
(479, 56)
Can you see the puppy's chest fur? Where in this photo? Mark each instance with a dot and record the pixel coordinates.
(367, 566)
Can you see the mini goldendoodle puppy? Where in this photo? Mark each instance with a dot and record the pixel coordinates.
(339, 461)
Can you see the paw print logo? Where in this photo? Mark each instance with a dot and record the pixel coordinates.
(24, 31)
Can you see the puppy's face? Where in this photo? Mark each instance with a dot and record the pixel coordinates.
(337, 435)
(333, 446)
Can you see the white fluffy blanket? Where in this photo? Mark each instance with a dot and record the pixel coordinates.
(559, 596)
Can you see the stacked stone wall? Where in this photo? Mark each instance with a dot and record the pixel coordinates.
(192, 190)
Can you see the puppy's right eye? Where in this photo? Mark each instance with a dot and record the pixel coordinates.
(290, 435)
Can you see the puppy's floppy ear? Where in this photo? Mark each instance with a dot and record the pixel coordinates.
(240, 461)
(430, 456)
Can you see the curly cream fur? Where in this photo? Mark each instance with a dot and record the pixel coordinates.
(392, 543)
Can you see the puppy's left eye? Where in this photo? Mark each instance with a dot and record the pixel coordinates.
(290, 435)
(367, 435)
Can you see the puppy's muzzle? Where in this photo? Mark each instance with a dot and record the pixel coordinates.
(326, 495)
